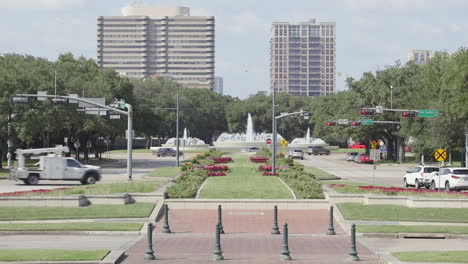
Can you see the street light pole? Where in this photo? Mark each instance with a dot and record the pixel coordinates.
(273, 127)
(391, 97)
(129, 140)
(9, 143)
(177, 130)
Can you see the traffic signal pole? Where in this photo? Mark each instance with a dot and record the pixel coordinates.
(273, 126)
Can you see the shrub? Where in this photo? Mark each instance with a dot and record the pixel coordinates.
(222, 160)
(216, 174)
(270, 174)
(267, 168)
(303, 184)
(217, 167)
(187, 184)
(258, 159)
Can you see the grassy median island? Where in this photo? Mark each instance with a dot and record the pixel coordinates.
(357, 211)
(137, 210)
(245, 182)
(412, 229)
(52, 255)
(432, 256)
(95, 189)
(73, 226)
(4, 173)
(319, 174)
(168, 172)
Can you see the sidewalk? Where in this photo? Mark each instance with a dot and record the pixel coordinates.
(248, 238)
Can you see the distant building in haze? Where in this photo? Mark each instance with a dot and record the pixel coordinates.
(218, 85)
(303, 58)
(419, 56)
(158, 41)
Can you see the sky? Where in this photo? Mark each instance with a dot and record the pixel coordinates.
(370, 34)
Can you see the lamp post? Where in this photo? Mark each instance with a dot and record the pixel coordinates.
(391, 96)
(273, 126)
(177, 130)
(303, 113)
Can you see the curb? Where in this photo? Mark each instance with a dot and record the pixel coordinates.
(415, 235)
(85, 233)
(112, 258)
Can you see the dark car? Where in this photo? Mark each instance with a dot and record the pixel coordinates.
(250, 149)
(316, 150)
(166, 152)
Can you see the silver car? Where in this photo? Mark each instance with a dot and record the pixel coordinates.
(166, 152)
(296, 154)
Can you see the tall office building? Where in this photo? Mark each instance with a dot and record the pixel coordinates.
(303, 58)
(218, 85)
(152, 41)
(419, 56)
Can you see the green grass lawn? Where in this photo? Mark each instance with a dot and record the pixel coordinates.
(103, 189)
(346, 150)
(98, 162)
(76, 226)
(432, 256)
(412, 229)
(4, 173)
(169, 172)
(52, 255)
(356, 211)
(320, 174)
(133, 151)
(245, 181)
(137, 210)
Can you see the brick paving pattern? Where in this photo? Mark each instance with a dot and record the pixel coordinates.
(248, 238)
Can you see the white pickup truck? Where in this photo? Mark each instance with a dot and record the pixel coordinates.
(55, 167)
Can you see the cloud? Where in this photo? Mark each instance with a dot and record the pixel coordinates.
(386, 4)
(245, 22)
(455, 28)
(42, 4)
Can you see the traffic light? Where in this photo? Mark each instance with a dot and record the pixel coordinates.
(20, 100)
(331, 123)
(367, 112)
(410, 114)
(356, 123)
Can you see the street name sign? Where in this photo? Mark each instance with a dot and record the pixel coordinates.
(428, 113)
(367, 121)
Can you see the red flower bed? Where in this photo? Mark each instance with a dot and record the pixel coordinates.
(258, 159)
(216, 167)
(216, 174)
(270, 174)
(43, 191)
(397, 189)
(267, 168)
(222, 160)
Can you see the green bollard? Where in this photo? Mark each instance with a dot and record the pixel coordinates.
(218, 253)
(220, 220)
(353, 253)
(275, 230)
(285, 253)
(149, 254)
(331, 228)
(166, 228)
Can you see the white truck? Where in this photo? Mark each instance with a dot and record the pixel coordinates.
(54, 167)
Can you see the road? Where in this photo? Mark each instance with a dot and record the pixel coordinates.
(113, 172)
(391, 174)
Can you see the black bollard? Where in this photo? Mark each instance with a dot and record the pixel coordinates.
(285, 252)
(166, 228)
(220, 220)
(149, 254)
(353, 253)
(275, 230)
(331, 228)
(218, 253)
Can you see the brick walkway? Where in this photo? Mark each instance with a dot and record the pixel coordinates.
(247, 238)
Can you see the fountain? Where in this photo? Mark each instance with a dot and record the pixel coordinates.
(307, 141)
(247, 139)
(186, 143)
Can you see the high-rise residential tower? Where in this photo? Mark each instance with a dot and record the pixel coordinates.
(218, 85)
(152, 41)
(303, 58)
(419, 56)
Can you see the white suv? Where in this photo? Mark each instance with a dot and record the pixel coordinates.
(419, 176)
(450, 179)
(296, 154)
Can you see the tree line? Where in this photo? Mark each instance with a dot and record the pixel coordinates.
(441, 84)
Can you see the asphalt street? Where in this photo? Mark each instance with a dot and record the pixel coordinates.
(112, 172)
(391, 174)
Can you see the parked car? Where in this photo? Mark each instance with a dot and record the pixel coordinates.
(361, 158)
(408, 149)
(250, 149)
(419, 176)
(450, 179)
(296, 154)
(316, 150)
(351, 156)
(357, 145)
(166, 152)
